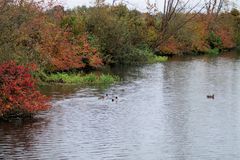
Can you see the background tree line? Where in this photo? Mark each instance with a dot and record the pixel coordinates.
(89, 37)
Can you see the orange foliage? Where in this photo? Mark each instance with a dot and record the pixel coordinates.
(227, 37)
(171, 46)
(200, 31)
(58, 47)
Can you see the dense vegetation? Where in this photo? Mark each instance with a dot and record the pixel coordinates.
(60, 40)
(82, 39)
(18, 94)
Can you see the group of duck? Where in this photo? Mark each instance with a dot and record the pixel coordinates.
(107, 96)
(115, 98)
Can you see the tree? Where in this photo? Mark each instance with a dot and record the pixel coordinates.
(214, 7)
(151, 7)
(99, 3)
(171, 10)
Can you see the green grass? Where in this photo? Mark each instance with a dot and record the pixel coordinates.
(156, 59)
(213, 52)
(144, 55)
(83, 79)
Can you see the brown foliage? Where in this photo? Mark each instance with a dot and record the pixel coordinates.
(58, 48)
(171, 46)
(227, 37)
(33, 36)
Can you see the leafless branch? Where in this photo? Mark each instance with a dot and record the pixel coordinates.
(171, 9)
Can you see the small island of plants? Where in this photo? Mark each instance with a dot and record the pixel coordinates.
(81, 79)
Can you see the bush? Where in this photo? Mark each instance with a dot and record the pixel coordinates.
(119, 32)
(213, 52)
(32, 34)
(18, 94)
(143, 55)
(157, 59)
(214, 40)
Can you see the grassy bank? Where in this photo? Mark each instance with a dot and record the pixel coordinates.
(80, 78)
(156, 59)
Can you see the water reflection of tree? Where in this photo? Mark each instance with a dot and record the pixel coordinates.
(58, 90)
(175, 91)
(127, 73)
(18, 138)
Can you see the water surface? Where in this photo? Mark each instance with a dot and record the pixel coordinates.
(162, 113)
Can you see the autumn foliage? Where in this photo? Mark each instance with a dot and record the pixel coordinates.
(227, 37)
(32, 33)
(198, 36)
(57, 39)
(82, 38)
(18, 94)
(59, 48)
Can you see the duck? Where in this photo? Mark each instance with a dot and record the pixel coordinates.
(101, 97)
(115, 99)
(211, 96)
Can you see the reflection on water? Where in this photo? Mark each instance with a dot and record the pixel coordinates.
(162, 113)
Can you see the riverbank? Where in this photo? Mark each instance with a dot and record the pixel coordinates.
(88, 79)
(78, 78)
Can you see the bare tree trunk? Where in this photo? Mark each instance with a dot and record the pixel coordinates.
(171, 9)
(213, 8)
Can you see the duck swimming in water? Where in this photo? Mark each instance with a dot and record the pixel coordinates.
(101, 97)
(210, 96)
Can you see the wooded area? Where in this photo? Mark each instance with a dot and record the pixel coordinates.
(57, 39)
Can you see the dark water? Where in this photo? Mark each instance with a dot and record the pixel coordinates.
(162, 113)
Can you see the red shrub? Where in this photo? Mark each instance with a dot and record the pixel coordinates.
(171, 46)
(227, 37)
(18, 94)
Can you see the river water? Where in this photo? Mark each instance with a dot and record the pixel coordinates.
(161, 113)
